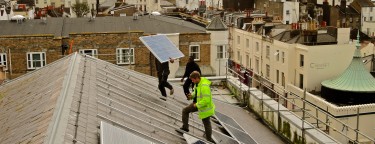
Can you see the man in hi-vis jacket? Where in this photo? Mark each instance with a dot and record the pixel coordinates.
(202, 102)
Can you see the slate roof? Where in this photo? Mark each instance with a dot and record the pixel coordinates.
(63, 26)
(365, 3)
(52, 26)
(217, 25)
(67, 100)
(286, 37)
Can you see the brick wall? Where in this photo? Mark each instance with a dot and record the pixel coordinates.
(20, 45)
(201, 39)
(105, 43)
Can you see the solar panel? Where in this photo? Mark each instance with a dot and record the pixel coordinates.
(113, 135)
(228, 120)
(234, 129)
(161, 47)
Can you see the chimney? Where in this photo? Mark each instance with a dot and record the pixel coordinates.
(135, 16)
(343, 6)
(326, 12)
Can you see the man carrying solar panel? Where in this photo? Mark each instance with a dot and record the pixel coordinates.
(163, 72)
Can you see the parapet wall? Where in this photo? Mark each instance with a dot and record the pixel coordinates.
(278, 117)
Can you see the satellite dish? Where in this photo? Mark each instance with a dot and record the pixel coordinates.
(155, 13)
(17, 17)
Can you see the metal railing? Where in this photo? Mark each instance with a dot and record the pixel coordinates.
(306, 113)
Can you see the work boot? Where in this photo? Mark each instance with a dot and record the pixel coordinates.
(183, 129)
(163, 98)
(171, 92)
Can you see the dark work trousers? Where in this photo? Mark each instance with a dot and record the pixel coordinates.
(163, 83)
(206, 121)
(187, 85)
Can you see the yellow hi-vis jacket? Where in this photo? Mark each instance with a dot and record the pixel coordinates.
(204, 103)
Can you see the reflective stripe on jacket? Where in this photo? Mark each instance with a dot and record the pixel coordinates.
(204, 103)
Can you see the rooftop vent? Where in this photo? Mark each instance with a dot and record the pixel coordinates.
(135, 16)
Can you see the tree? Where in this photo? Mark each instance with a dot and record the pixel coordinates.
(81, 9)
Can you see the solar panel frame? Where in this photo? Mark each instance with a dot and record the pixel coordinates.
(161, 47)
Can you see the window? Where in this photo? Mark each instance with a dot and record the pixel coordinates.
(287, 12)
(267, 71)
(277, 76)
(90, 52)
(301, 81)
(36, 1)
(370, 18)
(3, 60)
(370, 9)
(277, 55)
(364, 18)
(187, 1)
(194, 50)
(247, 43)
(301, 60)
(238, 40)
(257, 65)
(238, 56)
(257, 46)
(221, 52)
(36, 60)
(45, 1)
(247, 61)
(69, 3)
(282, 79)
(125, 55)
(282, 57)
(268, 52)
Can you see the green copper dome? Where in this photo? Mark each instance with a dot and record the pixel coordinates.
(355, 78)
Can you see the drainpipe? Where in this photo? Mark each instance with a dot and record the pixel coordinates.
(10, 64)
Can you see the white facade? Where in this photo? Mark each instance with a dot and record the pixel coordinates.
(290, 12)
(368, 20)
(219, 48)
(194, 4)
(4, 15)
(295, 67)
(368, 27)
(146, 5)
(337, 2)
(268, 58)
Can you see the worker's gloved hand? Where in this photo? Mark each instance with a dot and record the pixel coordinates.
(189, 96)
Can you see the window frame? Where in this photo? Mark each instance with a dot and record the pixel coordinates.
(120, 55)
(238, 39)
(198, 53)
(3, 60)
(82, 51)
(301, 60)
(247, 43)
(268, 70)
(268, 49)
(277, 76)
(221, 54)
(277, 55)
(283, 57)
(30, 62)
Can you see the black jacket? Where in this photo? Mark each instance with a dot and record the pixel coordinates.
(190, 67)
(162, 68)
